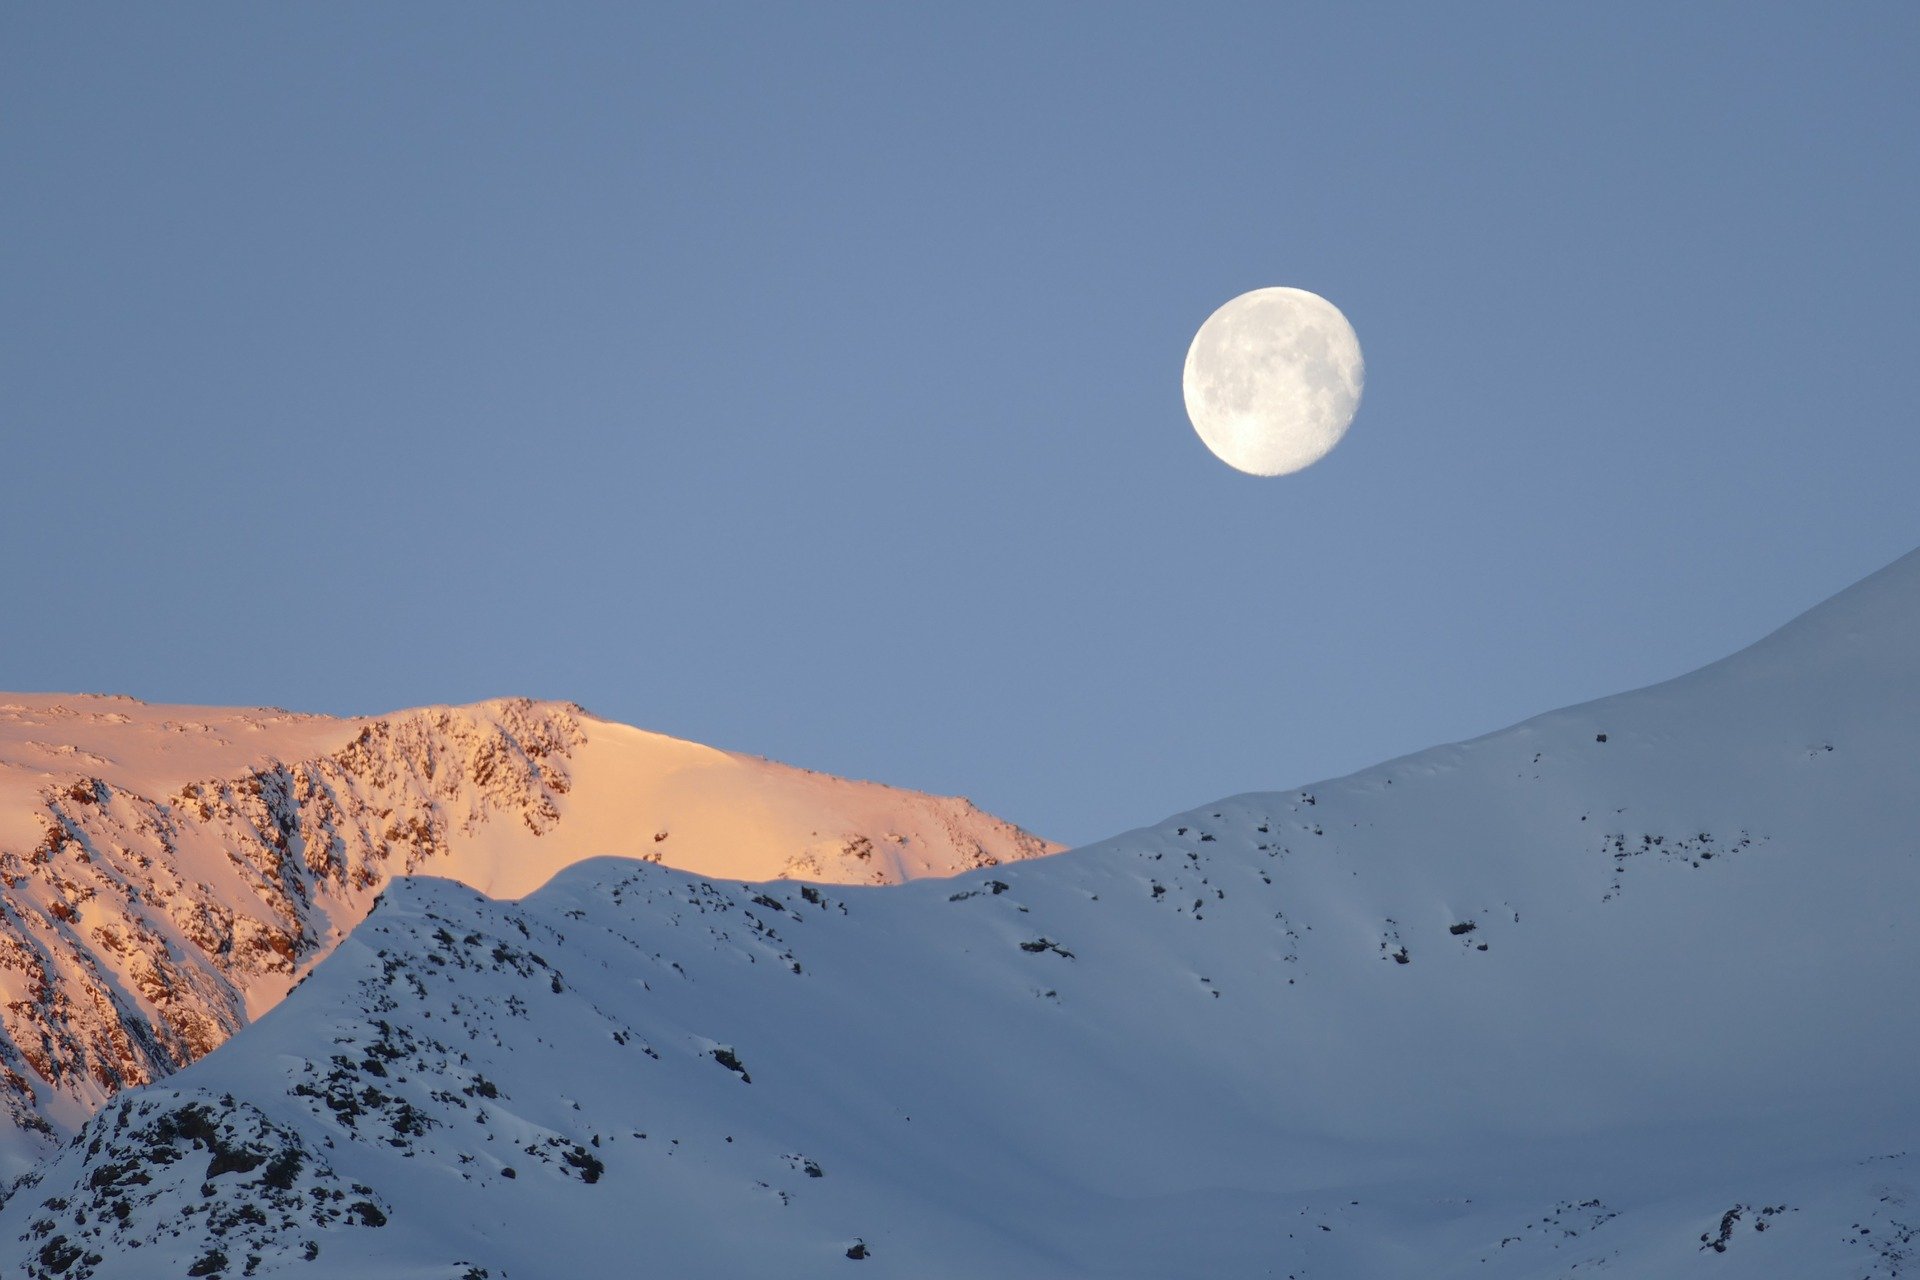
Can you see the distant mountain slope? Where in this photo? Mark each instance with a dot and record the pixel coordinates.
(1623, 989)
(166, 872)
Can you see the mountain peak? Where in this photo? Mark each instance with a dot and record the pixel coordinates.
(1614, 989)
(167, 872)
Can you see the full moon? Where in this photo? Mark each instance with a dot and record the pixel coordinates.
(1272, 380)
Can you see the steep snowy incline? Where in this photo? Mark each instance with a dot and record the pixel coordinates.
(1624, 988)
(167, 872)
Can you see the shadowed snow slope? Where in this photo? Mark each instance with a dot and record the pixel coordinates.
(167, 872)
(1627, 987)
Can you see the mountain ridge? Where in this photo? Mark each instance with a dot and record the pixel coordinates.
(166, 872)
(1618, 988)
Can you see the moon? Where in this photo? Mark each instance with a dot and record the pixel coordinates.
(1273, 380)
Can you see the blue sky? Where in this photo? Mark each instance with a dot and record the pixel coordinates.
(805, 379)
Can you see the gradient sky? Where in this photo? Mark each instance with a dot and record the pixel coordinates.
(805, 380)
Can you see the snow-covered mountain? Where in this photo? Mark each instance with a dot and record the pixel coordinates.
(1627, 988)
(166, 873)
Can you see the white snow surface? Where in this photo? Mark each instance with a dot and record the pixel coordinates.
(168, 872)
(1626, 988)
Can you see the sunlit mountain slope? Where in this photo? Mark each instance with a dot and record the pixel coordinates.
(167, 872)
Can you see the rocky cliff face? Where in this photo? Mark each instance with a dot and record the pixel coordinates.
(144, 920)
